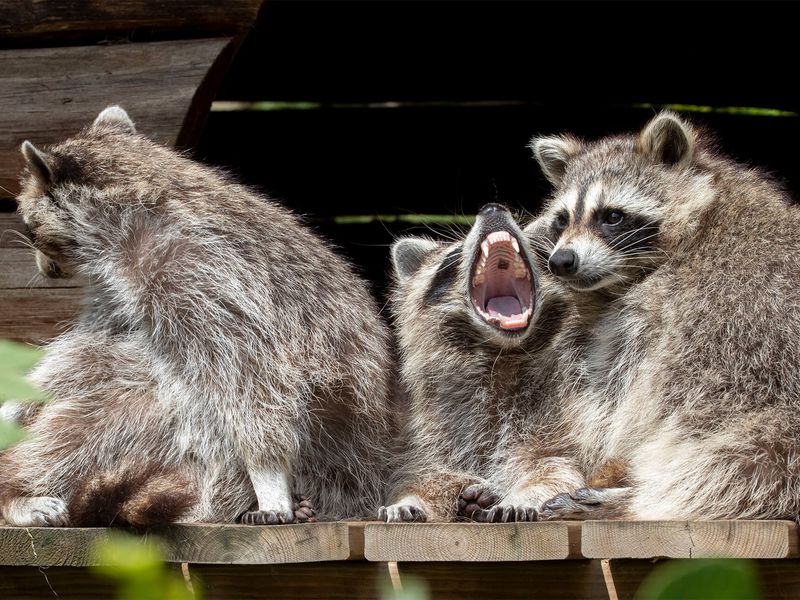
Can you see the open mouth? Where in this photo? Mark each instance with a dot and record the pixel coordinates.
(501, 283)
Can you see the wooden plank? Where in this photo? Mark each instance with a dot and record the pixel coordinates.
(62, 583)
(248, 545)
(359, 580)
(687, 539)
(543, 580)
(26, 19)
(466, 541)
(37, 315)
(49, 94)
(348, 580)
(210, 544)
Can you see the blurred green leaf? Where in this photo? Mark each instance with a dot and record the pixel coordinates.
(701, 579)
(410, 588)
(15, 362)
(136, 565)
(10, 434)
(18, 358)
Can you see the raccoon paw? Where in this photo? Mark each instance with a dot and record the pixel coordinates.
(401, 513)
(506, 513)
(38, 511)
(473, 499)
(266, 517)
(303, 509)
(583, 503)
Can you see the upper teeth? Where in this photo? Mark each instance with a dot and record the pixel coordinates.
(503, 238)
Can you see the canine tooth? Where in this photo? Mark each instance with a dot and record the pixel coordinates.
(485, 248)
(515, 244)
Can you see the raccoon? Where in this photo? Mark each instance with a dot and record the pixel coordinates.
(479, 333)
(690, 374)
(222, 346)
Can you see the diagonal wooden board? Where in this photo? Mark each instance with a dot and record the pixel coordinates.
(688, 539)
(208, 544)
(47, 94)
(31, 19)
(467, 542)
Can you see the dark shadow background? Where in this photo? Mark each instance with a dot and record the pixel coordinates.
(408, 108)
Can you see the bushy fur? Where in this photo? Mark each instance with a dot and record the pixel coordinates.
(219, 337)
(690, 374)
(483, 403)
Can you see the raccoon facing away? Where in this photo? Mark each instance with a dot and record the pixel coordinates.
(690, 375)
(478, 330)
(224, 351)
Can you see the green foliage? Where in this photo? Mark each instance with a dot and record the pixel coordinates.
(701, 579)
(15, 362)
(411, 588)
(135, 564)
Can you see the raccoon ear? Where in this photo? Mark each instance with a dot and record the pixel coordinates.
(408, 254)
(553, 153)
(115, 117)
(669, 140)
(40, 163)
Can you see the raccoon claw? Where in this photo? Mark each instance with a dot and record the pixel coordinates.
(473, 499)
(303, 509)
(39, 511)
(402, 513)
(266, 517)
(573, 505)
(507, 514)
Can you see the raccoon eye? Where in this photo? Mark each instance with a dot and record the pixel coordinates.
(561, 221)
(612, 217)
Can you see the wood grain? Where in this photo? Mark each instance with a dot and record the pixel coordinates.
(247, 545)
(210, 544)
(359, 580)
(686, 539)
(48, 94)
(38, 315)
(32, 19)
(466, 541)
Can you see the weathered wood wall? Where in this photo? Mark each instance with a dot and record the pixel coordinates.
(61, 63)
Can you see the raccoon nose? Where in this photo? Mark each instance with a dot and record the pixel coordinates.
(492, 207)
(563, 262)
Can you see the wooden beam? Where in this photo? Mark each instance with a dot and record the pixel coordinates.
(37, 315)
(49, 94)
(466, 541)
(31, 20)
(687, 539)
(208, 544)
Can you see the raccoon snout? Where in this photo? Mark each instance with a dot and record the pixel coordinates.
(563, 262)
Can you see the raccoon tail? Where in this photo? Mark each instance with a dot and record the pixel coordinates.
(132, 496)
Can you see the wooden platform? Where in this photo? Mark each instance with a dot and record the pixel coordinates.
(356, 560)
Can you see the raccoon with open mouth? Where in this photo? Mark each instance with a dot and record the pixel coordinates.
(479, 332)
(692, 264)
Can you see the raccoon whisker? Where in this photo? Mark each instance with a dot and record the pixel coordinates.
(25, 241)
(618, 243)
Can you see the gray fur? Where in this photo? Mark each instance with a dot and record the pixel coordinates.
(219, 337)
(690, 369)
(483, 403)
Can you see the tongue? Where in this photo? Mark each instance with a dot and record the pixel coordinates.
(503, 306)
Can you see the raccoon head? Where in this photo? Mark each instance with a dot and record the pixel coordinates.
(601, 227)
(484, 289)
(55, 179)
